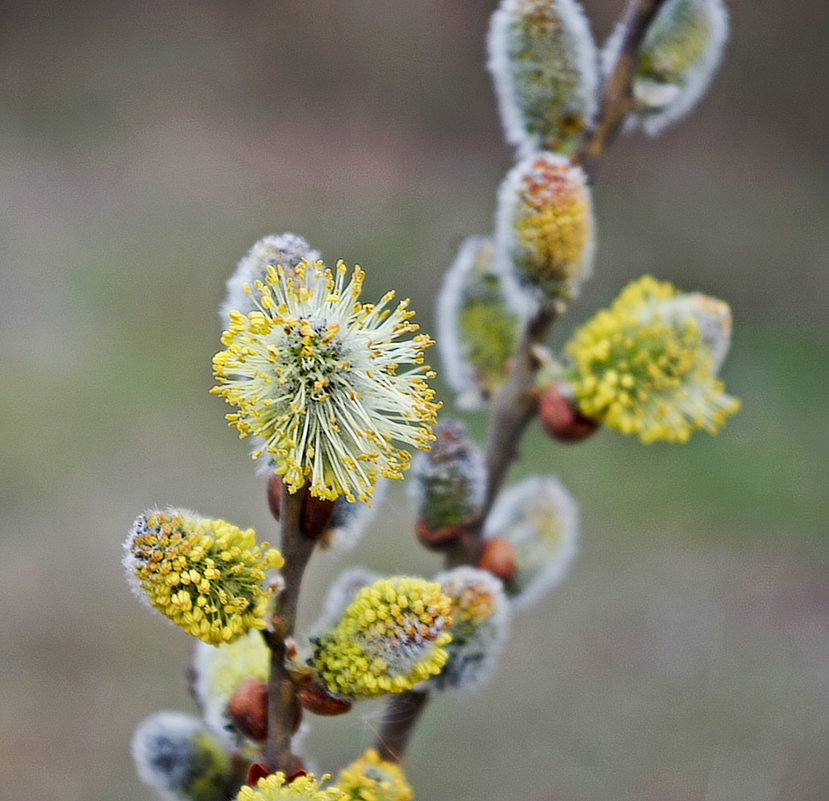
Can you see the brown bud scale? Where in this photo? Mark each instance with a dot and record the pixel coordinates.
(560, 417)
(498, 557)
(248, 709)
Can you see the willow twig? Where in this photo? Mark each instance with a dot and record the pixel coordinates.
(296, 549)
(616, 100)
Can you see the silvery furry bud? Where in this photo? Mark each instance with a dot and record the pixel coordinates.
(539, 517)
(176, 756)
(544, 65)
(448, 485)
(679, 56)
(478, 324)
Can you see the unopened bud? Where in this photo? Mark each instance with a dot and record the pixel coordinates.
(561, 418)
(539, 518)
(316, 512)
(498, 557)
(317, 700)
(275, 495)
(448, 486)
(248, 709)
(677, 60)
(478, 327)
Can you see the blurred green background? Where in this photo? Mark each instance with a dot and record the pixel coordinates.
(145, 146)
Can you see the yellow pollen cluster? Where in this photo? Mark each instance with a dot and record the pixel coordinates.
(315, 375)
(544, 225)
(552, 226)
(472, 604)
(389, 638)
(302, 788)
(370, 778)
(643, 369)
(205, 575)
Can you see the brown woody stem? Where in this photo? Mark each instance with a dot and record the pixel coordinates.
(297, 550)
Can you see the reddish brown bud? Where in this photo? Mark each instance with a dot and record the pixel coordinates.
(498, 557)
(317, 700)
(561, 418)
(440, 538)
(248, 708)
(316, 513)
(275, 495)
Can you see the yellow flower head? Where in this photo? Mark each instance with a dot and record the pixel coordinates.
(370, 778)
(205, 575)
(302, 788)
(647, 365)
(314, 374)
(544, 225)
(544, 64)
(388, 639)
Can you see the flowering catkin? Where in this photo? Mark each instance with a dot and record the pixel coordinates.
(544, 66)
(316, 376)
(480, 616)
(647, 364)
(388, 639)
(205, 575)
(371, 778)
(544, 228)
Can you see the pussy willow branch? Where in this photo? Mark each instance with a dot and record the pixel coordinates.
(514, 407)
(296, 549)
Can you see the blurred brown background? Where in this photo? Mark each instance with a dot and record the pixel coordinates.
(145, 146)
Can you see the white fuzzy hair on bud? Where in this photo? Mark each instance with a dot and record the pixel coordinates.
(544, 66)
(679, 56)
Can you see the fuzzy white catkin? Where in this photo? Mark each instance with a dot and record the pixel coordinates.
(287, 250)
(476, 644)
(575, 62)
(523, 514)
(660, 104)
